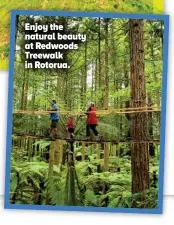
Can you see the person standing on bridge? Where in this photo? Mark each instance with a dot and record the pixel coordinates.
(54, 117)
(70, 125)
(92, 122)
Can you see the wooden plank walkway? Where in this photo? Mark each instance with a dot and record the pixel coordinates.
(87, 141)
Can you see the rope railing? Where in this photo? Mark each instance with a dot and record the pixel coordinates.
(98, 112)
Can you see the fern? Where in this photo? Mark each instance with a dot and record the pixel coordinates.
(30, 183)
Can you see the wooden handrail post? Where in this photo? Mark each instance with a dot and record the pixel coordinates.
(83, 151)
(98, 151)
(56, 152)
(29, 148)
(52, 154)
(106, 157)
(61, 152)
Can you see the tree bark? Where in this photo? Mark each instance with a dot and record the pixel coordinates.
(23, 92)
(99, 53)
(139, 126)
(26, 92)
(106, 69)
(100, 103)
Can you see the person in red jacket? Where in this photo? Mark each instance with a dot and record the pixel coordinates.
(91, 122)
(70, 125)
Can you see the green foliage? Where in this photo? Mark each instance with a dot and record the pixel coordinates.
(31, 181)
(42, 144)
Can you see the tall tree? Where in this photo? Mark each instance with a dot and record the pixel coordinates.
(139, 127)
(106, 67)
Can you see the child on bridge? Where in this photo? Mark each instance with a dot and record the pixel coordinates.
(70, 125)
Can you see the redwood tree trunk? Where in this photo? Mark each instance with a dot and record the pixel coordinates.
(106, 69)
(100, 102)
(139, 126)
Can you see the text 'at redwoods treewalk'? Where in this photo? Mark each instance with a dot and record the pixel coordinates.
(88, 135)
